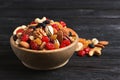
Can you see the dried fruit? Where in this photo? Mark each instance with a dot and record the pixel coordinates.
(91, 45)
(55, 26)
(24, 37)
(45, 39)
(65, 43)
(19, 31)
(38, 41)
(63, 23)
(104, 42)
(81, 53)
(87, 50)
(34, 45)
(53, 37)
(50, 46)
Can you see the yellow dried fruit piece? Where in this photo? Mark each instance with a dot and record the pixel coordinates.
(38, 41)
(85, 42)
(53, 37)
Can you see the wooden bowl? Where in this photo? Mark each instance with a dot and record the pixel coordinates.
(44, 60)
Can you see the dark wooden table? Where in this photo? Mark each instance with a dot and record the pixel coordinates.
(89, 18)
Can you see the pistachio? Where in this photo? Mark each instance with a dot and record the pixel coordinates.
(49, 30)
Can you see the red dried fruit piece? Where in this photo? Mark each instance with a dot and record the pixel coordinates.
(65, 43)
(55, 26)
(81, 53)
(50, 46)
(34, 45)
(45, 39)
(19, 31)
(62, 45)
(24, 37)
(63, 23)
(87, 50)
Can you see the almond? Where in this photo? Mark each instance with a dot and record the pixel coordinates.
(100, 45)
(24, 44)
(104, 42)
(60, 36)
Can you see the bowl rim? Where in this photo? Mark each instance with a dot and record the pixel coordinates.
(44, 51)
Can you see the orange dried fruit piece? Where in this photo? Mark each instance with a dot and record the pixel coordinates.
(53, 37)
(85, 42)
(82, 40)
(38, 41)
(57, 23)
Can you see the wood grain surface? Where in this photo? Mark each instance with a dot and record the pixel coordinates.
(89, 18)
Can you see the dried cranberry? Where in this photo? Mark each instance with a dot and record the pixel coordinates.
(34, 45)
(81, 53)
(19, 31)
(63, 23)
(87, 50)
(24, 37)
(55, 26)
(45, 39)
(50, 46)
(66, 42)
(62, 45)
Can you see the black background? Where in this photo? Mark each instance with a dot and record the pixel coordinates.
(89, 18)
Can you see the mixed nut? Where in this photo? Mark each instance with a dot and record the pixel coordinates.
(43, 34)
(90, 47)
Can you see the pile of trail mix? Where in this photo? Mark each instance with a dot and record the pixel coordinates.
(90, 47)
(44, 34)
